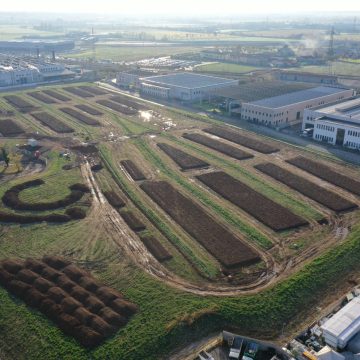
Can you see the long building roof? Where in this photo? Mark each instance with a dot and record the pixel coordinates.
(346, 108)
(187, 80)
(298, 96)
(345, 323)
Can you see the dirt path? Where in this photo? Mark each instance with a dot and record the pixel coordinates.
(111, 222)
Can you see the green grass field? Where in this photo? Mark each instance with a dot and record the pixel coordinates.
(225, 68)
(338, 68)
(130, 53)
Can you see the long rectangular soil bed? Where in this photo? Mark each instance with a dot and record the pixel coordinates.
(56, 95)
(41, 97)
(126, 101)
(90, 110)
(307, 188)
(93, 90)
(230, 250)
(219, 146)
(260, 207)
(155, 247)
(52, 122)
(117, 107)
(183, 159)
(9, 128)
(80, 116)
(243, 140)
(133, 170)
(326, 173)
(78, 92)
(19, 103)
(132, 221)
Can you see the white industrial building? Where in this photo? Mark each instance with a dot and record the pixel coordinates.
(288, 109)
(342, 326)
(183, 86)
(26, 70)
(336, 124)
(132, 78)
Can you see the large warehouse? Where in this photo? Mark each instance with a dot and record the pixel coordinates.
(288, 109)
(337, 123)
(183, 86)
(343, 326)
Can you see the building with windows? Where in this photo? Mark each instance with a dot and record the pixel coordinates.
(16, 71)
(183, 86)
(288, 109)
(337, 123)
(132, 78)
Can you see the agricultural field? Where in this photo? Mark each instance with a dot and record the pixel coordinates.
(218, 67)
(182, 254)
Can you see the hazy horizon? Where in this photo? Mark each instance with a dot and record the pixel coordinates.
(182, 8)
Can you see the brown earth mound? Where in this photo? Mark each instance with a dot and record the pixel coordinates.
(83, 309)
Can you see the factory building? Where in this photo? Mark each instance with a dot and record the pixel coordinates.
(183, 86)
(132, 78)
(34, 46)
(297, 76)
(288, 109)
(16, 71)
(343, 326)
(336, 124)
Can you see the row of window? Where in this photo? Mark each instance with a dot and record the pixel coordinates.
(354, 133)
(352, 144)
(323, 138)
(325, 127)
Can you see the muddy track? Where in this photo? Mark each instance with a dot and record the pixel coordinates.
(113, 224)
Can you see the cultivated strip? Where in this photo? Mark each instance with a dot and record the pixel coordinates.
(260, 207)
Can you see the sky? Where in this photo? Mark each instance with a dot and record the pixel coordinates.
(181, 7)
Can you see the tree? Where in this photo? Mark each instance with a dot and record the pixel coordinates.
(5, 156)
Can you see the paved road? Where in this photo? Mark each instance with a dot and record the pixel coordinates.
(294, 139)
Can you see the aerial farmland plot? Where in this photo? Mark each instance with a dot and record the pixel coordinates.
(104, 229)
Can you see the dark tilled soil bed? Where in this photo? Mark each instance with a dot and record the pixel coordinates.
(313, 191)
(80, 116)
(226, 149)
(230, 250)
(52, 122)
(242, 139)
(183, 159)
(90, 110)
(260, 207)
(133, 170)
(56, 95)
(9, 127)
(326, 173)
(41, 97)
(155, 247)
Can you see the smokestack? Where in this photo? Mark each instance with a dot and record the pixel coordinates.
(53, 55)
(92, 31)
(37, 52)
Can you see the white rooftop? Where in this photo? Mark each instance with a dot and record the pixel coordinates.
(326, 353)
(188, 80)
(298, 96)
(348, 108)
(345, 323)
